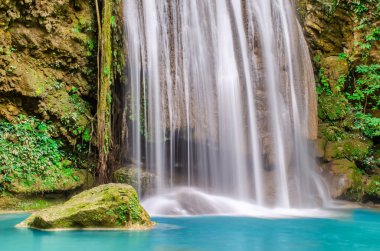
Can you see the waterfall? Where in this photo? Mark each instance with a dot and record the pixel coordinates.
(221, 103)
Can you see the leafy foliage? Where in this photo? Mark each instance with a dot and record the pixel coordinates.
(324, 86)
(362, 86)
(364, 95)
(28, 149)
(367, 87)
(373, 187)
(368, 124)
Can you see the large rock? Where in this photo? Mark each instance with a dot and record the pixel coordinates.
(139, 180)
(105, 206)
(354, 148)
(343, 179)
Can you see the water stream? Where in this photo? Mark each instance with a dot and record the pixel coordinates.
(222, 105)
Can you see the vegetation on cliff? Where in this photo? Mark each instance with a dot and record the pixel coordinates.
(48, 77)
(33, 161)
(47, 97)
(344, 37)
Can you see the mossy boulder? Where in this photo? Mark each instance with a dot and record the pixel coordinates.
(332, 107)
(130, 175)
(331, 132)
(103, 207)
(354, 148)
(344, 179)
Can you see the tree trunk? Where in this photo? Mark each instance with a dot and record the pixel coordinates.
(104, 91)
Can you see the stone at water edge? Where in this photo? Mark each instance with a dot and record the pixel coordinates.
(130, 175)
(107, 206)
(343, 179)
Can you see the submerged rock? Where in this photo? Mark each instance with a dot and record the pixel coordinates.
(103, 207)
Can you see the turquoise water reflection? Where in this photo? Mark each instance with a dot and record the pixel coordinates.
(360, 230)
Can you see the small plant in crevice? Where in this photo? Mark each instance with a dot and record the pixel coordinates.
(324, 86)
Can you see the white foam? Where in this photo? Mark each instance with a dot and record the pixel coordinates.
(187, 201)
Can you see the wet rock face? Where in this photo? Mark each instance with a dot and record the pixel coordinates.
(346, 181)
(331, 31)
(326, 33)
(47, 61)
(130, 175)
(105, 206)
(343, 179)
(338, 152)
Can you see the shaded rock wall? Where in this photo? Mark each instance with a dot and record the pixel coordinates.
(47, 64)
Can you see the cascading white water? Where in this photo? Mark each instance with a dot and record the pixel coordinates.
(221, 99)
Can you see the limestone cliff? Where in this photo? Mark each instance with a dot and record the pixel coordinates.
(47, 62)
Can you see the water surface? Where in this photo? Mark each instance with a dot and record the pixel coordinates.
(358, 230)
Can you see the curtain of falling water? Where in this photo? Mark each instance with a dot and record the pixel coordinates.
(220, 94)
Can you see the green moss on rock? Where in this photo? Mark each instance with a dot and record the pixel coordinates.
(11, 203)
(354, 148)
(70, 180)
(355, 193)
(372, 188)
(130, 175)
(46, 51)
(335, 70)
(332, 107)
(105, 206)
(331, 132)
(344, 179)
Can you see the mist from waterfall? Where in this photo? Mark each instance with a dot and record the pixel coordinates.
(221, 103)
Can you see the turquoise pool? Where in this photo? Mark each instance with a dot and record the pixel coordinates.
(359, 230)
